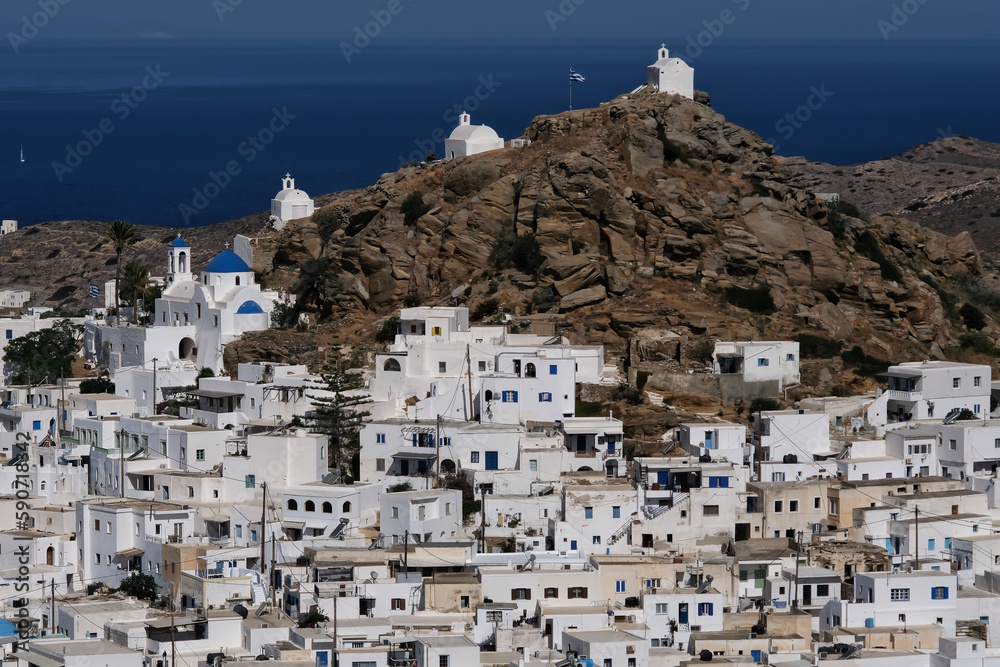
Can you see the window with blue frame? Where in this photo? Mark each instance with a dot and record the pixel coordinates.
(616, 512)
(510, 397)
(251, 482)
(620, 586)
(947, 543)
(380, 438)
(239, 531)
(36, 425)
(545, 397)
(975, 408)
(588, 512)
(597, 539)
(10, 334)
(930, 545)
(718, 482)
(705, 608)
(939, 593)
(553, 369)
(762, 362)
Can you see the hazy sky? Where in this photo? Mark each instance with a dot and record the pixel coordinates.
(671, 20)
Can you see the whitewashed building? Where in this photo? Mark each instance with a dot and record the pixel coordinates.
(196, 316)
(931, 390)
(290, 203)
(468, 139)
(670, 75)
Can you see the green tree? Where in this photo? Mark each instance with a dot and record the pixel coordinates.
(521, 252)
(121, 235)
(137, 284)
(44, 355)
(339, 412)
(142, 586)
(311, 284)
(97, 386)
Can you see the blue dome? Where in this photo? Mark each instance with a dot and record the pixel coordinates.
(179, 243)
(250, 308)
(227, 261)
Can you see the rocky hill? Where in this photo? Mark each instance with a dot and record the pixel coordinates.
(650, 212)
(650, 225)
(951, 185)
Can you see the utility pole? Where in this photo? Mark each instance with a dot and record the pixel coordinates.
(468, 359)
(406, 551)
(52, 613)
(274, 584)
(482, 526)
(121, 460)
(916, 537)
(798, 554)
(62, 404)
(263, 525)
(173, 639)
(154, 387)
(437, 454)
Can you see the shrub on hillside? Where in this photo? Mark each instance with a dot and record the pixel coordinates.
(413, 208)
(521, 252)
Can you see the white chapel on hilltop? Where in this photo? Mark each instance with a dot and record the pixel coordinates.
(469, 139)
(671, 75)
(291, 203)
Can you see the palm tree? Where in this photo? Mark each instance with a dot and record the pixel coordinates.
(122, 235)
(136, 276)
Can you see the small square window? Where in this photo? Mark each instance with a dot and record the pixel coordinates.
(482, 366)
(474, 457)
(956, 383)
(443, 368)
(199, 454)
(762, 362)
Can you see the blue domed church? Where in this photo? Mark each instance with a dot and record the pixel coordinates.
(197, 315)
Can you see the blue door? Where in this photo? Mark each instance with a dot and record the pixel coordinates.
(662, 477)
(682, 612)
(492, 461)
(708, 439)
(572, 545)
(757, 656)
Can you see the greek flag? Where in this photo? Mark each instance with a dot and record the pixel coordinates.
(575, 76)
(95, 291)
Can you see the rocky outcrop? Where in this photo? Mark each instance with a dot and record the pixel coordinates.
(650, 211)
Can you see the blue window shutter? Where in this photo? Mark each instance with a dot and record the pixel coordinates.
(430, 439)
(724, 482)
(701, 608)
(713, 482)
(711, 608)
(541, 398)
(414, 439)
(947, 543)
(36, 425)
(515, 397)
(945, 592)
(553, 369)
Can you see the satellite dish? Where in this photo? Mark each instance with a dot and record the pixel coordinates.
(260, 609)
(374, 575)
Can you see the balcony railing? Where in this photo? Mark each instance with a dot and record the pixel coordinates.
(898, 395)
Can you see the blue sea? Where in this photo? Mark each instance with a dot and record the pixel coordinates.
(181, 133)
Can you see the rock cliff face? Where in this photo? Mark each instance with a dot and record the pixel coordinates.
(650, 211)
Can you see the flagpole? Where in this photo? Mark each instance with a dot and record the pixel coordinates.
(571, 86)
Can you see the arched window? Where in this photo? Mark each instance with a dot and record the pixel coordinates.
(529, 371)
(237, 280)
(292, 505)
(41, 485)
(327, 508)
(182, 263)
(310, 506)
(489, 395)
(347, 507)
(391, 365)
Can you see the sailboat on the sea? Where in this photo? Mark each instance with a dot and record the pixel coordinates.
(22, 153)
